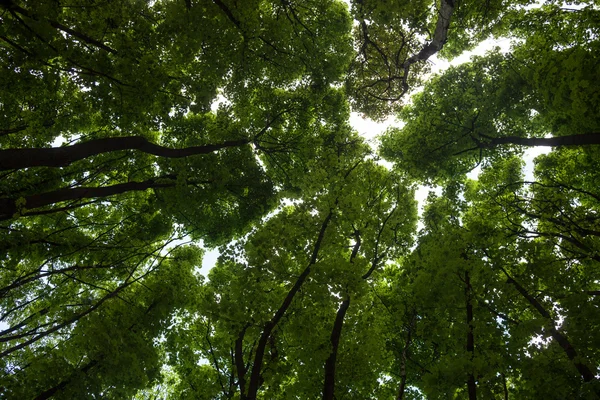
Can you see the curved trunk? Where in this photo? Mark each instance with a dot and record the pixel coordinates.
(64, 156)
(9, 207)
(562, 340)
(336, 333)
(255, 374)
(46, 394)
(440, 35)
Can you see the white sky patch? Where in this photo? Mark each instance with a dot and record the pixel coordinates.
(421, 196)
(439, 65)
(529, 155)
(59, 141)
(220, 99)
(474, 173)
(209, 260)
(370, 129)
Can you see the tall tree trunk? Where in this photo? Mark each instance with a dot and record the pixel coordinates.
(336, 333)
(239, 361)
(440, 35)
(63, 156)
(255, 374)
(504, 386)
(570, 140)
(46, 394)
(9, 207)
(402, 387)
(64, 324)
(562, 340)
(471, 384)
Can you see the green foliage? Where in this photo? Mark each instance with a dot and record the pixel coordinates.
(226, 123)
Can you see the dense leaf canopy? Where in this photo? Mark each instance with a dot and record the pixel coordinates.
(137, 135)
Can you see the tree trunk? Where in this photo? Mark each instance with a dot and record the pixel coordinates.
(239, 361)
(571, 140)
(63, 156)
(471, 384)
(255, 374)
(562, 340)
(336, 333)
(440, 35)
(8, 207)
(46, 394)
(402, 387)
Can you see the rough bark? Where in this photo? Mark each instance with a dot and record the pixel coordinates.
(64, 156)
(440, 35)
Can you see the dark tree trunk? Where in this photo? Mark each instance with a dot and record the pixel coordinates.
(53, 390)
(504, 386)
(402, 387)
(8, 207)
(471, 384)
(239, 361)
(336, 333)
(255, 374)
(562, 340)
(63, 156)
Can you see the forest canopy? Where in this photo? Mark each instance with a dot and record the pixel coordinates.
(137, 135)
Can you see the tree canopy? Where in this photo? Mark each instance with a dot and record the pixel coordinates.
(137, 135)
